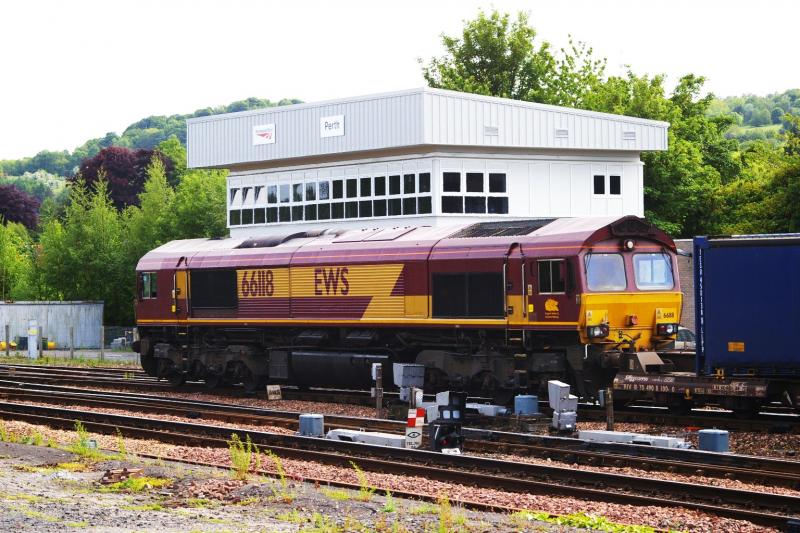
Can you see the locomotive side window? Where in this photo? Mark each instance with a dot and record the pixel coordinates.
(653, 271)
(213, 289)
(552, 276)
(468, 294)
(148, 286)
(605, 272)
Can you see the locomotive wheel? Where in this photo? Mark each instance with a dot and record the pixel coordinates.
(212, 380)
(176, 379)
(149, 365)
(253, 383)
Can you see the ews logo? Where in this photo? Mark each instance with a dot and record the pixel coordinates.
(331, 281)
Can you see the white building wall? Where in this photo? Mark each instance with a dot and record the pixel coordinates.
(537, 187)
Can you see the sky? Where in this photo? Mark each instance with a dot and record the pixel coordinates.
(76, 70)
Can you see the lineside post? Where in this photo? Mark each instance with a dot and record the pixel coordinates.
(378, 391)
(41, 343)
(72, 342)
(610, 409)
(8, 340)
(102, 342)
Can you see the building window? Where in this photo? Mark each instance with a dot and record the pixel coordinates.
(452, 204)
(394, 185)
(297, 192)
(475, 204)
(324, 211)
(380, 186)
(235, 217)
(338, 189)
(379, 208)
(424, 205)
(337, 210)
(245, 193)
(497, 182)
(259, 216)
(474, 182)
(498, 205)
(366, 187)
(285, 215)
(311, 191)
(311, 212)
(614, 186)
(272, 214)
(395, 207)
(552, 276)
(599, 184)
(258, 193)
(247, 216)
(324, 190)
(272, 194)
(284, 193)
(352, 188)
(351, 210)
(451, 182)
(233, 193)
(425, 182)
(149, 287)
(365, 208)
(410, 206)
(408, 183)
(297, 212)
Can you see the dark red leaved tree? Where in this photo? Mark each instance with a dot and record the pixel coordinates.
(18, 206)
(125, 171)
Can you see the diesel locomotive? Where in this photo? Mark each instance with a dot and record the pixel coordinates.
(493, 308)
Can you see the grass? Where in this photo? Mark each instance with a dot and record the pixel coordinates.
(292, 516)
(340, 495)
(66, 361)
(365, 490)
(198, 503)
(388, 505)
(578, 520)
(122, 451)
(137, 484)
(242, 454)
(82, 446)
(143, 507)
(283, 493)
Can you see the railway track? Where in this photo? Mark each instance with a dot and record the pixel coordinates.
(479, 441)
(138, 380)
(770, 510)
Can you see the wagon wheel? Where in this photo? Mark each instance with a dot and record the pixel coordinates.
(149, 365)
(251, 382)
(176, 379)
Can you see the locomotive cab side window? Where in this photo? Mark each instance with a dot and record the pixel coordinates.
(148, 288)
(605, 272)
(553, 276)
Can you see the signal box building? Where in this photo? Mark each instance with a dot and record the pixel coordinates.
(421, 157)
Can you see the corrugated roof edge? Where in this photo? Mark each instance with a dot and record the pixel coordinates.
(429, 90)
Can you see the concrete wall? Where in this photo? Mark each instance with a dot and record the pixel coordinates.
(55, 319)
(686, 273)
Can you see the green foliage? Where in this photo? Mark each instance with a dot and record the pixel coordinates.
(16, 262)
(138, 484)
(365, 490)
(282, 493)
(340, 495)
(578, 520)
(500, 57)
(242, 454)
(389, 505)
(81, 444)
(199, 207)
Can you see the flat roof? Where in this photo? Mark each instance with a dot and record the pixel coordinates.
(425, 118)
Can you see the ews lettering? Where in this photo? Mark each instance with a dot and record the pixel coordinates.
(260, 283)
(331, 281)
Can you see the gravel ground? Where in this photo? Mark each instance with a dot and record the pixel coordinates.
(297, 471)
(729, 483)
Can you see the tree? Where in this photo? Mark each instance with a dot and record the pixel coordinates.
(150, 224)
(199, 206)
(15, 260)
(125, 171)
(18, 206)
(495, 56)
(174, 150)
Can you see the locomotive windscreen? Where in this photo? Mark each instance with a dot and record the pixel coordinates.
(213, 289)
(468, 294)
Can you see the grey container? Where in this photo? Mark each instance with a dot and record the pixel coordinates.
(713, 440)
(312, 425)
(526, 404)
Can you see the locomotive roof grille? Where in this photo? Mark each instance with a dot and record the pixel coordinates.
(501, 229)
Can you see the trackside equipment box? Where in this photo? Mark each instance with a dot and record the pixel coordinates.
(747, 304)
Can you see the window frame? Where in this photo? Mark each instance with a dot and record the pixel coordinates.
(151, 276)
(670, 270)
(586, 271)
(551, 262)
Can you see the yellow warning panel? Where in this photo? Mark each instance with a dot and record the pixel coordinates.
(735, 346)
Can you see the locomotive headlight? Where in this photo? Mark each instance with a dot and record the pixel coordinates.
(595, 332)
(628, 245)
(667, 329)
